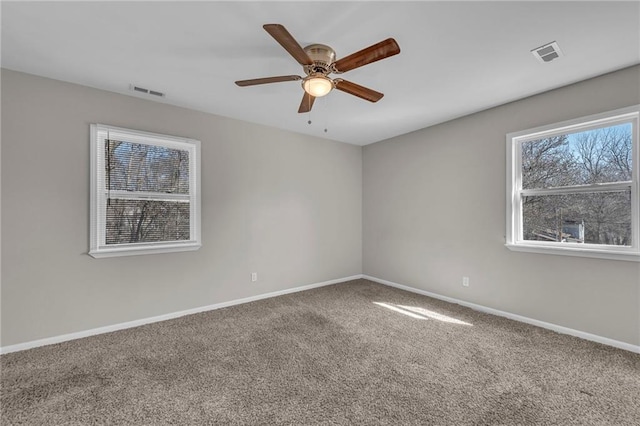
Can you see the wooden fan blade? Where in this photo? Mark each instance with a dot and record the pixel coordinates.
(357, 90)
(253, 82)
(286, 40)
(307, 103)
(373, 53)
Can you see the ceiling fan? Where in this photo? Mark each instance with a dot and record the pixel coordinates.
(318, 61)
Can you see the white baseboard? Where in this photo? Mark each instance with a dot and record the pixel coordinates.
(143, 321)
(547, 325)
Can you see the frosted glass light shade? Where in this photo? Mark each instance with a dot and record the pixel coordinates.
(317, 86)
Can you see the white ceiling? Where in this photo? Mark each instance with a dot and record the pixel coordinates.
(457, 57)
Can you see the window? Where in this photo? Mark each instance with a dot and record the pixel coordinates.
(572, 187)
(144, 192)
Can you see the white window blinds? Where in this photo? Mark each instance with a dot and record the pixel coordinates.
(144, 193)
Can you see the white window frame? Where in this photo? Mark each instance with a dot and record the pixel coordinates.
(98, 247)
(514, 233)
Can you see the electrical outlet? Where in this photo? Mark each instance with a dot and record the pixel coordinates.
(465, 281)
(254, 277)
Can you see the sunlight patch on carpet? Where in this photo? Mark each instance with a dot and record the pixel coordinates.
(434, 315)
(421, 313)
(402, 311)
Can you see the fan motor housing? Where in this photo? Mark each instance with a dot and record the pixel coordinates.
(322, 56)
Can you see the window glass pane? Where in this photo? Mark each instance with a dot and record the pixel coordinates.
(139, 167)
(135, 221)
(592, 218)
(586, 157)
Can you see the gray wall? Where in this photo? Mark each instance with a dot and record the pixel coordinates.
(434, 211)
(284, 205)
(422, 209)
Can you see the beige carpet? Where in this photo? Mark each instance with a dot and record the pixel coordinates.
(351, 353)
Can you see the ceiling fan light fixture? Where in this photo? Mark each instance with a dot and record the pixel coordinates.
(319, 61)
(317, 85)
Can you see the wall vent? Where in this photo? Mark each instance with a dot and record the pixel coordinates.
(139, 89)
(548, 52)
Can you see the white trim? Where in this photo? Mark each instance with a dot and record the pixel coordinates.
(590, 122)
(143, 195)
(97, 246)
(570, 249)
(578, 189)
(147, 248)
(515, 317)
(513, 235)
(172, 315)
(130, 324)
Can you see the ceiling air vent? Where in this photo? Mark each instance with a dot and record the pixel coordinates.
(139, 89)
(548, 52)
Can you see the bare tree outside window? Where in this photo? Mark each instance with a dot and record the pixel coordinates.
(136, 168)
(144, 193)
(575, 161)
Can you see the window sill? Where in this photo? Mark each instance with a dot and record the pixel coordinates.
(626, 255)
(133, 251)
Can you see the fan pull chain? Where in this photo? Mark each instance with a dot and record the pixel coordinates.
(326, 115)
(326, 120)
